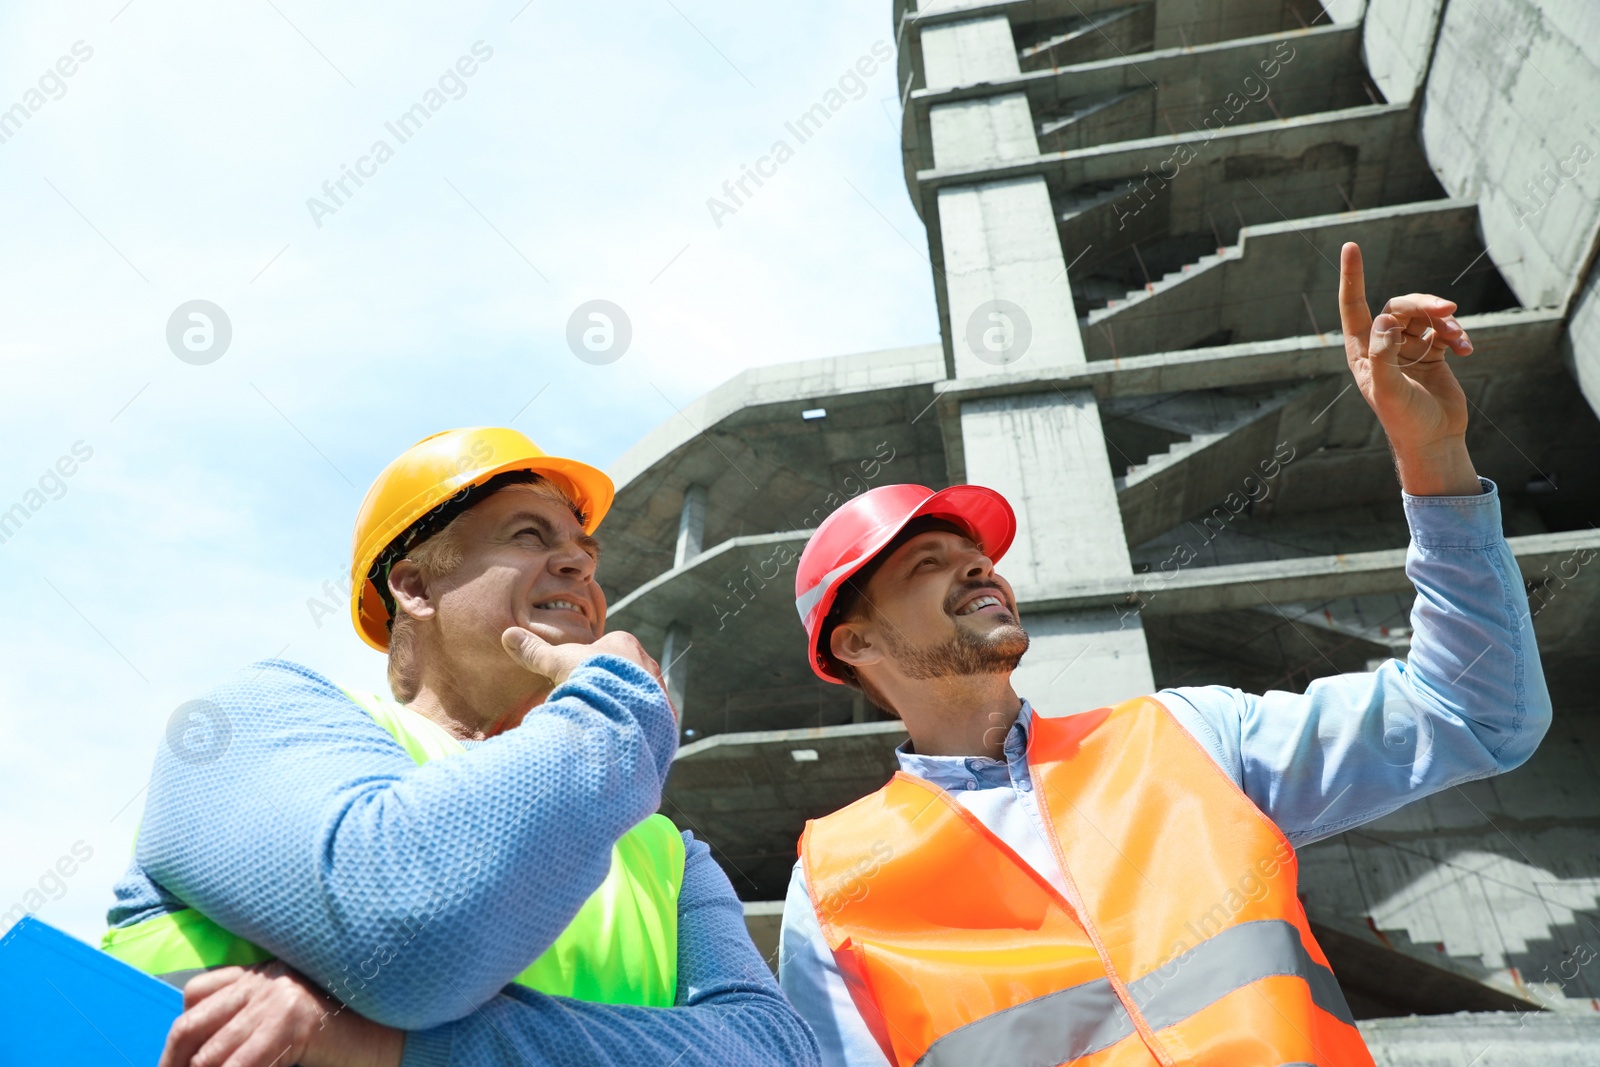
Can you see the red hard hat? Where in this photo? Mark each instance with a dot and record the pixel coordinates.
(849, 538)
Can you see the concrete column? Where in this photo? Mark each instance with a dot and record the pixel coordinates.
(691, 525)
(1005, 279)
(675, 666)
(1045, 452)
(968, 52)
(1010, 308)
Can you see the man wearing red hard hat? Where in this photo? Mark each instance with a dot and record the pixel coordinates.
(1119, 885)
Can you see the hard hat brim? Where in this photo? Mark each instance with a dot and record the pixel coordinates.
(983, 513)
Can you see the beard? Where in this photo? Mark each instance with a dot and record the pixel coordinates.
(997, 652)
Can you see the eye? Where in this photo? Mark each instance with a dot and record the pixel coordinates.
(534, 530)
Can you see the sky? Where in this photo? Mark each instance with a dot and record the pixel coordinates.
(187, 505)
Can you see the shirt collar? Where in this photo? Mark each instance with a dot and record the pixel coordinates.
(956, 771)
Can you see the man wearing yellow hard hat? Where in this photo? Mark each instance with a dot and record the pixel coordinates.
(473, 867)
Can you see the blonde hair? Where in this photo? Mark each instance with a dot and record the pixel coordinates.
(438, 557)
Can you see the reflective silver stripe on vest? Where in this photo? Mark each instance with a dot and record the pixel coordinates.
(1042, 1032)
(181, 978)
(1231, 960)
(1089, 1018)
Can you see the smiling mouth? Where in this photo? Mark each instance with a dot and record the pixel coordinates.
(560, 604)
(977, 604)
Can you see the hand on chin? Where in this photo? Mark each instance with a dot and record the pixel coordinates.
(561, 631)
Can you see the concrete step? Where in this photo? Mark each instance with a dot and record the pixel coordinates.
(1083, 111)
(1167, 281)
(1082, 27)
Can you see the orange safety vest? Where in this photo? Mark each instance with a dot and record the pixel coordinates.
(1181, 939)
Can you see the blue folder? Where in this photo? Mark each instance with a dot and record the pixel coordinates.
(64, 1002)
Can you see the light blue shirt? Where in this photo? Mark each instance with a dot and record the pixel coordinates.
(1469, 702)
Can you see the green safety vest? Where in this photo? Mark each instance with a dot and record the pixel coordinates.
(621, 947)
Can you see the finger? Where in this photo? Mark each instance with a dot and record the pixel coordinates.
(527, 648)
(1385, 348)
(195, 1026)
(221, 1045)
(1354, 315)
(1420, 307)
(1420, 318)
(1407, 349)
(1421, 312)
(203, 985)
(266, 1048)
(264, 1031)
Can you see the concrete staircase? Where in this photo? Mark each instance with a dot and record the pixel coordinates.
(1228, 446)
(1088, 37)
(1281, 279)
(1167, 281)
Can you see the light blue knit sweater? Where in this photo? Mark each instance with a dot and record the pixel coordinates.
(416, 893)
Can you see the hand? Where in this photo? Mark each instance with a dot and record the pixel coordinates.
(556, 662)
(270, 1016)
(1398, 360)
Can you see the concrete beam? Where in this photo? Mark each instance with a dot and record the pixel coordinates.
(1513, 91)
(1247, 585)
(1494, 1039)
(1299, 163)
(1177, 21)
(1507, 344)
(1516, 340)
(1323, 73)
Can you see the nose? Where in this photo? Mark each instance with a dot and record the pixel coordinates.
(978, 565)
(571, 561)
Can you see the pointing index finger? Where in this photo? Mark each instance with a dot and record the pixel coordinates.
(1354, 315)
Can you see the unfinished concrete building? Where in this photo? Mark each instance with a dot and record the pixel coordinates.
(1134, 213)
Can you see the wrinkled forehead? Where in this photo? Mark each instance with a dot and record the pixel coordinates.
(533, 503)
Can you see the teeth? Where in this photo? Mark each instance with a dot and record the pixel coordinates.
(559, 604)
(981, 602)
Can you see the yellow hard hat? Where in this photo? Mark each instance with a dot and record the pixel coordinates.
(433, 480)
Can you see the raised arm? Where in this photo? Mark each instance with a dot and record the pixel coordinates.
(315, 836)
(1471, 699)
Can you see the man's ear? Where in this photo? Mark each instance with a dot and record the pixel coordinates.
(852, 643)
(410, 590)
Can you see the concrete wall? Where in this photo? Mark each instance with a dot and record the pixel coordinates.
(1396, 43)
(1583, 341)
(1511, 118)
(1501, 876)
